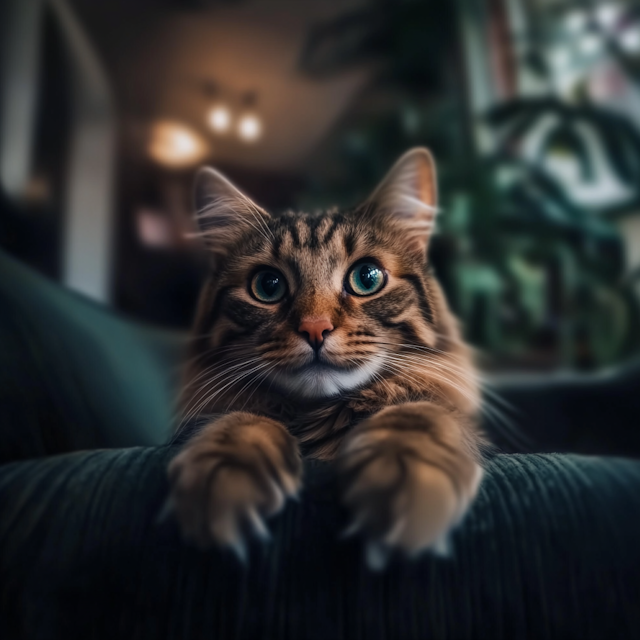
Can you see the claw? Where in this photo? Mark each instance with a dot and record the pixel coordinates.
(278, 494)
(377, 555)
(258, 525)
(289, 486)
(442, 547)
(240, 550)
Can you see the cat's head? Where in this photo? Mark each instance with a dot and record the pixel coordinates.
(319, 304)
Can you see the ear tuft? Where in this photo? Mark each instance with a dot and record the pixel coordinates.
(407, 197)
(223, 213)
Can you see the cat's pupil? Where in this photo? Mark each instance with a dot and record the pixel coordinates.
(369, 275)
(270, 284)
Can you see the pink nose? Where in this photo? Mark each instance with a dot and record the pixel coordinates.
(315, 329)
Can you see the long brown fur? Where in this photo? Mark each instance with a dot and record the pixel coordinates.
(403, 436)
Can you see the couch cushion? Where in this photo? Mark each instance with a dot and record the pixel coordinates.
(549, 550)
(74, 376)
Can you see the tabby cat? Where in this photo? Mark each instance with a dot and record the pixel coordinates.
(325, 335)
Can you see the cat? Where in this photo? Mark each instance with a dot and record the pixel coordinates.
(326, 336)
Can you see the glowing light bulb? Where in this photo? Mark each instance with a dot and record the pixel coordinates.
(249, 128)
(219, 119)
(176, 145)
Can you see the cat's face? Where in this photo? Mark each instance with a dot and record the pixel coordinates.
(319, 304)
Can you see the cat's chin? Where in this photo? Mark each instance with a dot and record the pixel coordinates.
(316, 381)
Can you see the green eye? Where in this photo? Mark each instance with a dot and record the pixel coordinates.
(365, 278)
(268, 285)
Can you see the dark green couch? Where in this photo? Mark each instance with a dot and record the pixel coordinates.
(551, 548)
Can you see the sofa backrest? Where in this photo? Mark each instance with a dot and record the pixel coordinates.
(75, 376)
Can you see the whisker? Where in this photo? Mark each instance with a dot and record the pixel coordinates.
(261, 376)
(211, 376)
(451, 383)
(197, 410)
(486, 407)
(251, 381)
(188, 413)
(217, 365)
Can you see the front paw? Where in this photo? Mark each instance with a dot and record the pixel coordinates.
(405, 491)
(236, 472)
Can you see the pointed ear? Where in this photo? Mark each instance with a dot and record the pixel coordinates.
(224, 214)
(407, 198)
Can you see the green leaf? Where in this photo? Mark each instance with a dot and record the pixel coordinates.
(566, 138)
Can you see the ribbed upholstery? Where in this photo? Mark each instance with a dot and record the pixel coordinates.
(551, 549)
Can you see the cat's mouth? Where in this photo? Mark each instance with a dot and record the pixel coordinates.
(318, 379)
(317, 367)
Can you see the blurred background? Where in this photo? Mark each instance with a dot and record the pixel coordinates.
(531, 107)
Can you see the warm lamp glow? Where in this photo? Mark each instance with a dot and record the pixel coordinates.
(249, 128)
(175, 145)
(219, 119)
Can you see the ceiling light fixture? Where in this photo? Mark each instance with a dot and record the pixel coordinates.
(176, 145)
(249, 127)
(219, 119)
